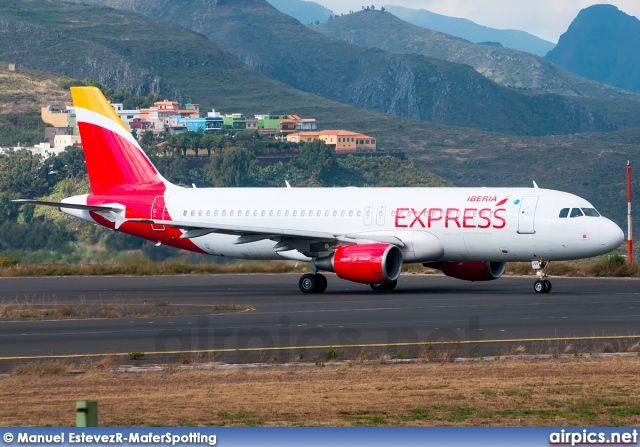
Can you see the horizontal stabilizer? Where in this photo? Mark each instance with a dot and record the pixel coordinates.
(73, 206)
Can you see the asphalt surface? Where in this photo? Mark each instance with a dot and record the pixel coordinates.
(422, 308)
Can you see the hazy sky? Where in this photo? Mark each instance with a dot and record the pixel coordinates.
(544, 18)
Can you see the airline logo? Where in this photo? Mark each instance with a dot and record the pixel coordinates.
(451, 217)
(488, 199)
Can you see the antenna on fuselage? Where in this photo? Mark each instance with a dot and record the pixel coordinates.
(535, 185)
(287, 182)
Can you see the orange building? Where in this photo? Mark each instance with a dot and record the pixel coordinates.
(339, 140)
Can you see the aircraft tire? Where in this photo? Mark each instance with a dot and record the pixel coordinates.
(308, 283)
(321, 283)
(386, 286)
(539, 286)
(547, 285)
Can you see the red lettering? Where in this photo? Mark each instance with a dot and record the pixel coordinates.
(482, 214)
(504, 222)
(398, 217)
(434, 219)
(454, 219)
(417, 219)
(472, 199)
(468, 214)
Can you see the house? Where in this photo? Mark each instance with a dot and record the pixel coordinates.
(341, 141)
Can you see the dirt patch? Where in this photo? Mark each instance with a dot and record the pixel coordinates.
(581, 391)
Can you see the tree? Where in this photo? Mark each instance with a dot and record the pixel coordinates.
(317, 158)
(231, 166)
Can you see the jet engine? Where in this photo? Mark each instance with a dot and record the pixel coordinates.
(366, 263)
(470, 271)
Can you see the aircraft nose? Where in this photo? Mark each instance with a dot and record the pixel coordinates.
(611, 236)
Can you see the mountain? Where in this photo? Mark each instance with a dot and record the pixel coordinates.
(603, 44)
(408, 85)
(303, 11)
(466, 29)
(505, 66)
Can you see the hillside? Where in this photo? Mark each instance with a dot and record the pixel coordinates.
(511, 68)
(407, 85)
(603, 44)
(22, 93)
(466, 29)
(62, 37)
(303, 11)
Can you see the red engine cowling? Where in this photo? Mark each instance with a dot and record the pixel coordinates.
(474, 271)
(366, 263)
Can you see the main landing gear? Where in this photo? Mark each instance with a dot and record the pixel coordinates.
(542, 284)
(313, 283)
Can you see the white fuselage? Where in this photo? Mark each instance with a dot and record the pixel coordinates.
(435, 224)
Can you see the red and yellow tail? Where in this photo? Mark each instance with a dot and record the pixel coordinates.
(115, 160)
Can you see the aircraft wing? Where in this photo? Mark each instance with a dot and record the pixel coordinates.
(248, 233)
(74, 206)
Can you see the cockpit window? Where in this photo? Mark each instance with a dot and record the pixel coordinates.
(590, 212)
(575, 212)
(564, 212)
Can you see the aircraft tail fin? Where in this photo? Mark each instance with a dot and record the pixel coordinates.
(115, 161)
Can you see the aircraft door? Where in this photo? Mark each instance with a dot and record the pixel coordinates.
(526, 215)
(380, 215)
(368, 215)
(157, 213)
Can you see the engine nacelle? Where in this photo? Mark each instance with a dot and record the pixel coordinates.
(472, 270)
(366, 263)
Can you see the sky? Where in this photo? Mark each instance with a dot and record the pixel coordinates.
(547, 19)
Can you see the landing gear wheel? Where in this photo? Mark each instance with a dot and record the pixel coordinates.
(539, 286)
(386, 286)
(308, 283)
(321, 285)
(542, 284)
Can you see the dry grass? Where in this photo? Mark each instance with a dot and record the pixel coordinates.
(53, 311)
(590, 392)
(146, 268)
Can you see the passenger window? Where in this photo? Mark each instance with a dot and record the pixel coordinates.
(575, 212)
(342, 213)
(319, 213)
(215, 213)
(262, 213)
(239, 212)
(286, 213)
(295, 213)
(231, 213)
(224, 213)
(564, 212)
(326, 213)
(435, 213)
(590, 212)
(193, 212)
(335, 213)
(248, 213)
(302, 213)
(255, 213)
(279, 212)
(351, 213)
(271, 213)
(360, 213)
(184, 213)
(310, 213)
(200, 213)
(208, 213)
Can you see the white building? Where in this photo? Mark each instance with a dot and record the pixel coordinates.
(126, 116)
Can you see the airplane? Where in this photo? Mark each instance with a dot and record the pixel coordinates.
(364, 235)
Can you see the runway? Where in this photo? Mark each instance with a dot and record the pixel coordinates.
(422, 308)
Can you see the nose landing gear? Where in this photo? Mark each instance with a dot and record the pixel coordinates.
(542, 284)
